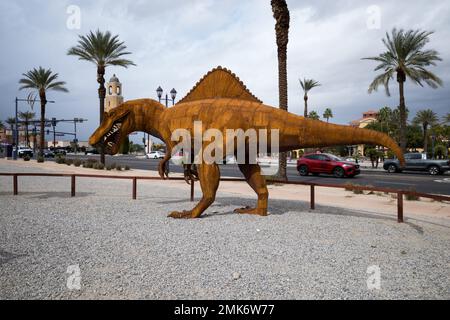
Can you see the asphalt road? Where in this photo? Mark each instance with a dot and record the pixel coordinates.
(418, 181)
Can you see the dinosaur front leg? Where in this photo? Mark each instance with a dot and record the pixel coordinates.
(162, 165)
(209, 176)
(252, 173)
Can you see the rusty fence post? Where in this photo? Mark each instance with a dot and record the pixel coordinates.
(15, 185)
(400, 207)
(192, 189)
(72, 185)
(134, 188)
(312, 201)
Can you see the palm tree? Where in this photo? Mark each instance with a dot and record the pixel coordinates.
(307, 85)
(26, 117)
(406, 58)
(385, 116)
(282, 18)
(447, 118)
(11, 121)
(313, 115)
(327, 114)
(42, 80)
(103, 50)
(425, 118)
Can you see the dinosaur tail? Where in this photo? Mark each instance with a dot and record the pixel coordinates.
(322, 134)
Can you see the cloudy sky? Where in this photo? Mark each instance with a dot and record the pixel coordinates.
(175, 42)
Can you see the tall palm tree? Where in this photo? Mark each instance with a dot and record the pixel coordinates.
(425, 118)
(327, 114)
(102, 49)
(281, 14)
(307, 85)
(313, 115)
(42, 80)
(405, 58)
(27, 116)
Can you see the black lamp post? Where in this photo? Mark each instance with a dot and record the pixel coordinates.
(159, 93)
(173, 95)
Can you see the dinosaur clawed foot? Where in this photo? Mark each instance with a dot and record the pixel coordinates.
(181, 215)
(162, 170)
(249, 210)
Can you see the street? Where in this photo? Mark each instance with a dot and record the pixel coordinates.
(418, 181)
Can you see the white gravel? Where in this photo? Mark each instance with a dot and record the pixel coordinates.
(130, 249)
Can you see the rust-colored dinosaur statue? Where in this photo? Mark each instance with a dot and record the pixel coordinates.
(219, 100)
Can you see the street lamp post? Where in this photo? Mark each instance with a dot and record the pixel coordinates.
(159, 93)
(16, 125)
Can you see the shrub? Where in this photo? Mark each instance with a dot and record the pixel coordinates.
(127, 168)
(113, 165)
(100, 166)
(412, 197)
(40, 159)
(118, 167)
(77, 163)
(87, 164)
(108, 167)
(60, 160)
(26, 158)
(69, 162)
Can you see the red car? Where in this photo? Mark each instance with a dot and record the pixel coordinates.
(317, 163)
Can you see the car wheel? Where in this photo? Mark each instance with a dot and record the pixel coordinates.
(338, 172)
(434, 170)
(303, 170)
(392, 168)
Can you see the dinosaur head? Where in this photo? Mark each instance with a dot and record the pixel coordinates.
(113, 130)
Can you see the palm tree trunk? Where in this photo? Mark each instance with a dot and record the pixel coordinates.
(305, 112)
(425, 139)
(401, 83)
(26, 135)
(281, 16)
(283, 100)
(101, 96)
(42, 133)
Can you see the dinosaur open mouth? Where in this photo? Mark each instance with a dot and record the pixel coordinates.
(112, 138)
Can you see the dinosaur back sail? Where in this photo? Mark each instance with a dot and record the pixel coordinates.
(219, 83)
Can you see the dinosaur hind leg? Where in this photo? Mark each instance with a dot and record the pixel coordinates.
(209, 176)
(252, 173)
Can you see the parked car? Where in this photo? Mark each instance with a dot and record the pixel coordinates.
(49, 154)
(317, 163)
(22, 151)
(155, 155)
(417, 162)
(59, 152)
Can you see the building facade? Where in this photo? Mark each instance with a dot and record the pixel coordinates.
(367, 118)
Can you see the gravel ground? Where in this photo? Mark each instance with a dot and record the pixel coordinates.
(129, 249)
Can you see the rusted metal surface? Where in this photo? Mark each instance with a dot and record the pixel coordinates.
(15, 186)
(313, 196)
(72, 185)
(134, 188)
(400, 207)
(192, 189)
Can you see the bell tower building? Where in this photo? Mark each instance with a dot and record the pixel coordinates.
(114, 96)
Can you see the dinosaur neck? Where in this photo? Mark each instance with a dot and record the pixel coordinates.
(147, 114)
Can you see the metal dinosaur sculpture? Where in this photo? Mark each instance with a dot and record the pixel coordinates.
(221, 101)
